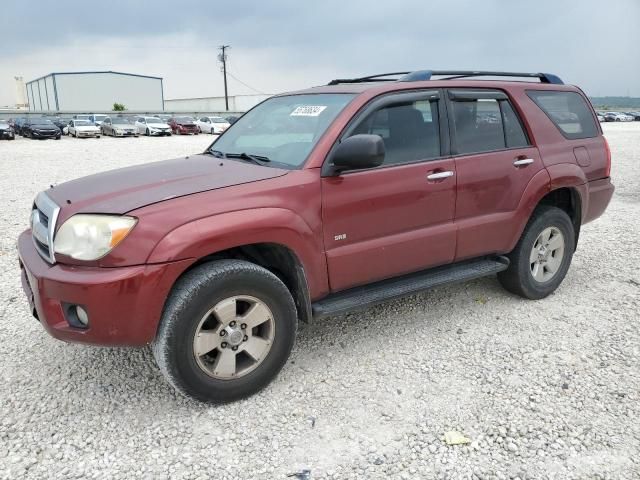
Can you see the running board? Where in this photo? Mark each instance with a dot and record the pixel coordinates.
(368, 295)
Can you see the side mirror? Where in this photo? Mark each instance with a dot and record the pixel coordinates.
(359, 151)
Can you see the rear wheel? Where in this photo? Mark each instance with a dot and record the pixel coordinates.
(227, 330)
(542, 256)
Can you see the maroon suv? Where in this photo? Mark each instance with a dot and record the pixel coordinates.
(316, 203)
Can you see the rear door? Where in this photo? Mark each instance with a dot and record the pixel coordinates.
(494, 162)
(396, 218)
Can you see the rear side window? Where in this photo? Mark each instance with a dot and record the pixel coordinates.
(485, 124)
(568, 111)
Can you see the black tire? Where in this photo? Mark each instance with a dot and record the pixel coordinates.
(196, 293)
(518, 278)
(148, 133)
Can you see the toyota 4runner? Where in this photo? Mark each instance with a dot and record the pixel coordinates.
(316, 203)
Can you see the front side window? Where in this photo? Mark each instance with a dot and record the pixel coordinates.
(282, 129)
(568, 111)
(485, 124)
(410, 130)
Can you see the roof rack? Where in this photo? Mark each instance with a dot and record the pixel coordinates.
(422, 75)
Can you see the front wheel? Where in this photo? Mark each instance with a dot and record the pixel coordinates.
(226, 331)
(542, 256)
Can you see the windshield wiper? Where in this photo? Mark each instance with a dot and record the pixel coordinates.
(215, 153)
(257, 159)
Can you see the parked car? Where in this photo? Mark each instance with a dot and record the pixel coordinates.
(83, 129)
(183, 126)
(119, 126)
(18, 123)
(635, 115)
(213, 125)
(97, 118)
(617, 117)
(6, 131)
(317, 203)
(61, 123)
(40, 128)
(232, 119)
(600, 117)
(152, 126)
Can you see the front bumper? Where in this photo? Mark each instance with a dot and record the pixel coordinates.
(45, 134)
(160, 133)
(124, 304)
(7, 134)
(126, 133)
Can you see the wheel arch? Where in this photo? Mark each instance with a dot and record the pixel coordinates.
(275, 238)
(561, 185)
(569, 200)
(279, 259)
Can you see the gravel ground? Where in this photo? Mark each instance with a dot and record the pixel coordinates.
(547, 389)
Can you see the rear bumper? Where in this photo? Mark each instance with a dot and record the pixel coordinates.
(600, 193)
(124, 304)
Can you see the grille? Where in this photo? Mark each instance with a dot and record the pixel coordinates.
(43, 224)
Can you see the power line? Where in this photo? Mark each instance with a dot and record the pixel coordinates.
(246, 85)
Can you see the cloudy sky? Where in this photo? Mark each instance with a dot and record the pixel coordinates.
(280, 45)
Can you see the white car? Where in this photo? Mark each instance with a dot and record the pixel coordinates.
(152, 126)
(82, 129)
(213, 125)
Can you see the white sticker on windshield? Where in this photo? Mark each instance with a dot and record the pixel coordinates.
(308, 111)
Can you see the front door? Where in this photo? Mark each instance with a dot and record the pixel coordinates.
(397, 218)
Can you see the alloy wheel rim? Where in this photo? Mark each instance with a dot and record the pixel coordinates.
(234, 337)
(547, 254)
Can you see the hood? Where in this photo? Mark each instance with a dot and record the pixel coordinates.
(158, 125)
(120, 191)
(5, 126)
(123, 125)
(85, 128)
(36, 126)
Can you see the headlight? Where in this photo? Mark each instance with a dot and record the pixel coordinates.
(90, 237)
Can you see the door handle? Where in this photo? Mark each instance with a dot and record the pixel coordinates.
(522, 162)
(440, 175)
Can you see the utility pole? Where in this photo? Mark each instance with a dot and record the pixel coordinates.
(223, 58)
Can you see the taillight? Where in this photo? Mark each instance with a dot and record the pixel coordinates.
(608, 166)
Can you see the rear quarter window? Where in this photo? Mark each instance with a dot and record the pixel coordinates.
(568, 111)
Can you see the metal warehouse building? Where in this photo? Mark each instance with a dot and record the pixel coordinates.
(95, 92)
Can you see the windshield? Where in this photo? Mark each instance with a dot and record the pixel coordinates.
(122, 121)
(82, 123)
(218, 120)
(83, 117)
(99, 118)
(153, 120)
(185, 119)
(283, 129)
(40, 121)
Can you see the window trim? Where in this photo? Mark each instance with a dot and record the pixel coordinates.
(482, 94)
(382, 101)
(587, 104)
